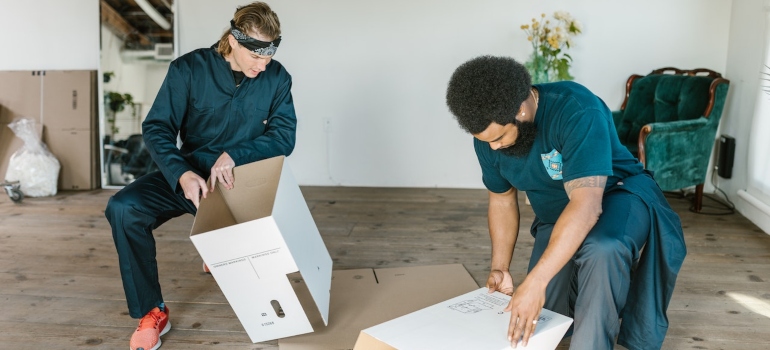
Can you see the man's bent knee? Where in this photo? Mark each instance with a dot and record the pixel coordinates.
(602, 250)
(119, 204)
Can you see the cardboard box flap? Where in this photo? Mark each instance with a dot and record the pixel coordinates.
(362, 298)
(251, 198)
(303, 240)
(254, 180)
(213, 214)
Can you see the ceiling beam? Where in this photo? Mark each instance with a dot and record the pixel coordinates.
(153, 13)
(118, 25)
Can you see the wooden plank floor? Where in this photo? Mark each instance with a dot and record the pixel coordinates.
(60, 286)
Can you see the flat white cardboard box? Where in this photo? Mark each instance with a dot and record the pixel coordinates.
(362, 298)
(475, 320)
(253, 237)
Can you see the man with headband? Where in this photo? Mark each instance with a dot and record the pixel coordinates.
(607, 244)
(230, 104)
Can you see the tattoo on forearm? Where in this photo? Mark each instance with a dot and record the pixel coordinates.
(588, 181)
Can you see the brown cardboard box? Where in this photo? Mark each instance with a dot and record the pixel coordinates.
(71, 147)
(68, 102)
(19, 97)
(71, 127)
(63, 102)
(363, 298)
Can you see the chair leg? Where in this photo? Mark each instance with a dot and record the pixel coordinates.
(698, 198)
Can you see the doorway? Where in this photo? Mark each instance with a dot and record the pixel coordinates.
(137, 39)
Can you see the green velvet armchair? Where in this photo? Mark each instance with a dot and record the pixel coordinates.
(669, 121)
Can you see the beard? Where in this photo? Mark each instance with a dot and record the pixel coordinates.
(524, 141)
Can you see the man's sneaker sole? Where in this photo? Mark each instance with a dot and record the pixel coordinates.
(164, 331)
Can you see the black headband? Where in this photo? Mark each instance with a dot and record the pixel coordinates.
(264, 48)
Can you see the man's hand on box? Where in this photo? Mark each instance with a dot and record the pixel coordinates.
(222, 171)
(525, 307)
(193, 186)
(500, 281)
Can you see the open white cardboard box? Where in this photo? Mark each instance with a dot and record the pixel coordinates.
(475, 320)
(257, 236)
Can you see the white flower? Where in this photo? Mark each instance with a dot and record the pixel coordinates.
(577, 25)
(562, 15)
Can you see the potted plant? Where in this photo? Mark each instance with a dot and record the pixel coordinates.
(548, 61)
(107, 76)
(116, 103)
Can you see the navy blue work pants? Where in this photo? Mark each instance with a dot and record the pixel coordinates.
(133, 213)
(593, 286)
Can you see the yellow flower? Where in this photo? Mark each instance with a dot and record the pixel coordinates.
(548, 39)
(554, 43)
(553, 40)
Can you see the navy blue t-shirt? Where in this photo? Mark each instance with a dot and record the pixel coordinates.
(575, 138)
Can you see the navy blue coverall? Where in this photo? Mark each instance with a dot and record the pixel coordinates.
(200, 102)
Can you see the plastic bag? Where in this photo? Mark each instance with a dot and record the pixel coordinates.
(36, 169)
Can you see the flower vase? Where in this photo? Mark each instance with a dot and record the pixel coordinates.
(537, 68)
(539, 76)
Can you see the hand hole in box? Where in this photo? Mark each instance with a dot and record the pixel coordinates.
(277, 308)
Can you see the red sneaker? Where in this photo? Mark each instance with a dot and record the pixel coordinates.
(151, 327)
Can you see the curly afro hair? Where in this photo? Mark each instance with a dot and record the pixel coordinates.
(487, 89)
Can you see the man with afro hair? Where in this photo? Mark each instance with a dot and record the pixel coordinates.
(607, 244)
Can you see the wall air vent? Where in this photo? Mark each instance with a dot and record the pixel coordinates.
(164, 51)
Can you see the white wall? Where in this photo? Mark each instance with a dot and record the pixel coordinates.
(370, 77)
(745, 62)
(49, 34)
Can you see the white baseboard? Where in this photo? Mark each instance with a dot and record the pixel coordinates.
(754, 210)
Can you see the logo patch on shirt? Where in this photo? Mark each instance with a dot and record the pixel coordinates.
(552, 163)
